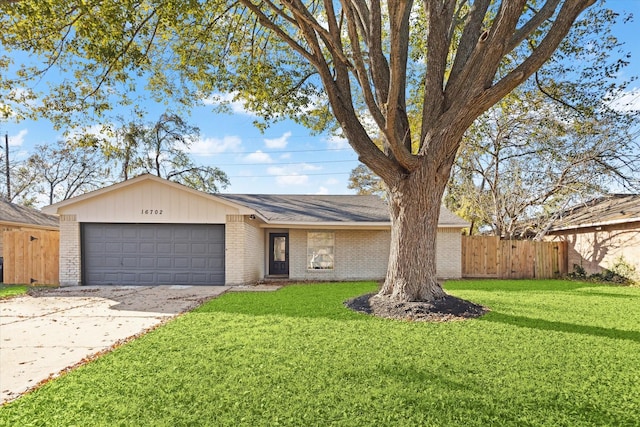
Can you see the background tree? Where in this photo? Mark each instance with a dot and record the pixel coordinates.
(560, 138)
(159, 149)
(364, 58)
(65, 170)
(364, 181)
(21, 179)
(526, 162)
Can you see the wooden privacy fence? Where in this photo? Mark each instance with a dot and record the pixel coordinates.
(31, 257)
(490, 257)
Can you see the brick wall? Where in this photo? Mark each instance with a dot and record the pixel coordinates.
(364, 255)
(70, 258)
(359, 255)
(449, 253)
(244, 257)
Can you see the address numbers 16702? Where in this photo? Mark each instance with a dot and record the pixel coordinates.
(151, 212)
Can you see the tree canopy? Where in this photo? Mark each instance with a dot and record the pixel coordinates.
(367, 66)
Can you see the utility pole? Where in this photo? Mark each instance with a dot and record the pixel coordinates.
(6, 158)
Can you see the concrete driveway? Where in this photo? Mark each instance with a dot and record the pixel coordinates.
(43, 334)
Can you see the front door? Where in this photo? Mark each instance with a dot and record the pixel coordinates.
(278, 254)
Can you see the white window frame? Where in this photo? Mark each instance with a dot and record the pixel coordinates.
(321, 250)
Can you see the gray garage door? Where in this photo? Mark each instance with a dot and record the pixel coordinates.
(153, 254)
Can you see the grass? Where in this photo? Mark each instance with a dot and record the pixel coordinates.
(550, 353)
(8, 291)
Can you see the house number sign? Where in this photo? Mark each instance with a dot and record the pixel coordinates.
(151, 212)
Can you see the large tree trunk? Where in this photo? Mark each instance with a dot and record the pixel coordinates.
(414, 205)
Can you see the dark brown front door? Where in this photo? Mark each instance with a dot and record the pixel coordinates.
(278, 254)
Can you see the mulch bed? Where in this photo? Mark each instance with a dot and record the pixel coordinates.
(445, 309)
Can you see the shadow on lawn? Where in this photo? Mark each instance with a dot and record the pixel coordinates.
(545, 325)
(518, 285)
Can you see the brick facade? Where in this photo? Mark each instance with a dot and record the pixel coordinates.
(364, 255)
(359, 255)
(70, 251)
(245, 248)
(449, 253)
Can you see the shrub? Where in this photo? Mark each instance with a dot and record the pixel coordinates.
(620, 272)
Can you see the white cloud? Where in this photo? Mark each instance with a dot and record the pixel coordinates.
(230, 100)
(322, 190)
(292, 180)
(332, 181)
(277, 170)
(628, 101)
(258, 157)
(288, 175)
(278, 142)
(17, 140)
(211, 146)
(308, 167)
(337, 142)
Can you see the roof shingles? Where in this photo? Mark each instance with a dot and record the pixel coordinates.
(16, 214)
(616, 208)
(289, 208)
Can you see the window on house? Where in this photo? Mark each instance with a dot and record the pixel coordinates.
(320, 247)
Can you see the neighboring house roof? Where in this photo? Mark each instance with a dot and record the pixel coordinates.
(289, 208)
(607, 210)
(13, 214)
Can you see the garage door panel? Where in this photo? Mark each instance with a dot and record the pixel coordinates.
(182, 278)
(130, 247)
(164, 263)
(153, 254)
(198, 263)
(181, 248)
(129, 262)
(163, 248)
(181, 262)
(146, 248)
(147, 233)
(112, 233)
(110, 261)
(113, 247)
(164, 233)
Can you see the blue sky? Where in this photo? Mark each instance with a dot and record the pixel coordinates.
(286, 158)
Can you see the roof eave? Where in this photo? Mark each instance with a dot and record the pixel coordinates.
(597, 224)
(328, 225)
(381, 225)
(54, 208)
(29, 225)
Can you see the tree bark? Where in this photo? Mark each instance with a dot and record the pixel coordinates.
(414, 204)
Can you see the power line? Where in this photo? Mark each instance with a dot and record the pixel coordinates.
(270, 152)
(289, 175)
(285, 163)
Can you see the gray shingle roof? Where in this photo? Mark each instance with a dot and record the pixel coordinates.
(314, 208)
(615, 208)
(325, 208)
(12, 213)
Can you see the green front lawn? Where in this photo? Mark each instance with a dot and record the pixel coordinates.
(8, 291)
(552, 353)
